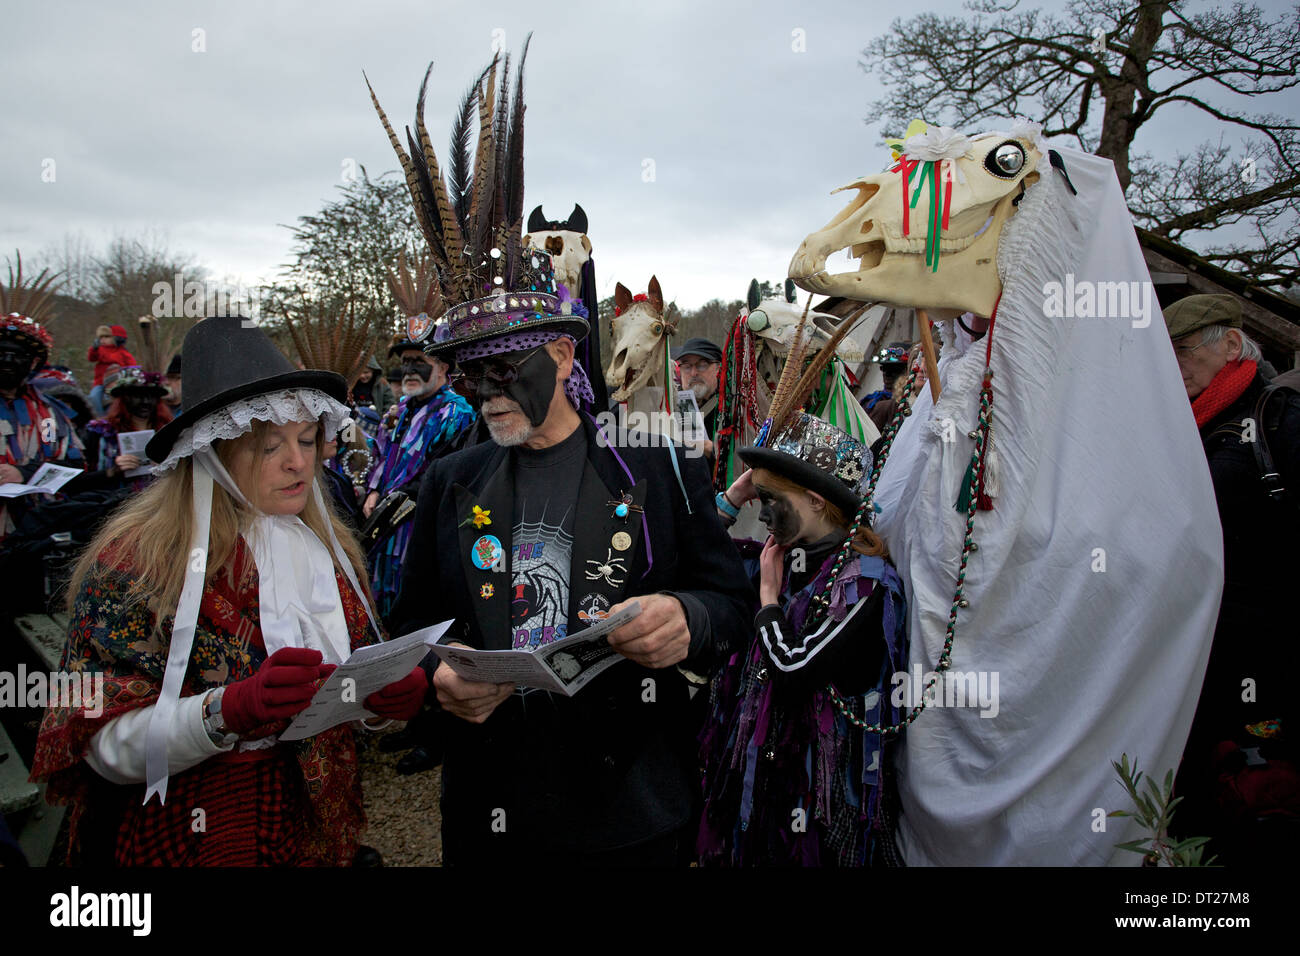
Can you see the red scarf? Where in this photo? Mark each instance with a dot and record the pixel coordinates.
(1224, 389)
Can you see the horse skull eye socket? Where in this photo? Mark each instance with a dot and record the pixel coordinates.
(1006, 161)
(758, 320)
(657, 329)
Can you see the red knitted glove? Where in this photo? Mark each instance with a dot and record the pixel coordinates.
(282, 686)
(401, 699)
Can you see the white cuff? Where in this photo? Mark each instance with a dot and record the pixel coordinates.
(116, 752)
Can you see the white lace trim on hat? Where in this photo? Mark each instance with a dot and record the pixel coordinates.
(235, 419)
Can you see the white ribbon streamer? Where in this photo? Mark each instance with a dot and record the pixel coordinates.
(182, 640)
(298, 597)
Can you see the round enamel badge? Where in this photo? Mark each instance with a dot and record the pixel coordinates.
(486, 552)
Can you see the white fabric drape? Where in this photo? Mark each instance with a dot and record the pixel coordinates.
(1096, 585)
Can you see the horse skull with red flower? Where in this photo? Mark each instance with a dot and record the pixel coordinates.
(640, 333)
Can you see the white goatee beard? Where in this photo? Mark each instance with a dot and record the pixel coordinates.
(508, 436)
(702, 392)
(418, 389)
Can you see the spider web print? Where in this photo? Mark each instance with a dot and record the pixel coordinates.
(539, 600)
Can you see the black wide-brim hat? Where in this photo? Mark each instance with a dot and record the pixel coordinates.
(818, 456)
(228, 358)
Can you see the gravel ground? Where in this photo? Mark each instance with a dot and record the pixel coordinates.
(404, 823)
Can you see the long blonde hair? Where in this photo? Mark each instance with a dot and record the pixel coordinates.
(150, 535)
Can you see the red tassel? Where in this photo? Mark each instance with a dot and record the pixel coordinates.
(906, 170)
(947, 197)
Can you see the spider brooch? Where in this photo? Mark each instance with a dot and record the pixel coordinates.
(607, 570)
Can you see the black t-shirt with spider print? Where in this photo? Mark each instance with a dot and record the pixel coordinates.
(546, 498)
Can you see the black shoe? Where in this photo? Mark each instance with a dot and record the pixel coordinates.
(417, 761)
(367, 856)
(398, 740)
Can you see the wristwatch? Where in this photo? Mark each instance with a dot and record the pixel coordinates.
(214, 723)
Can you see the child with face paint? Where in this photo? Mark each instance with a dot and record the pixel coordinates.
(136, 406)
(789, 738)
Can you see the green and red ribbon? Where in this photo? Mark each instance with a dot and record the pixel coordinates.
(938, 218)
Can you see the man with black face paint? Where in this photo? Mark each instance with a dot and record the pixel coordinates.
(34, 428)
(429, 415)
(540, 532)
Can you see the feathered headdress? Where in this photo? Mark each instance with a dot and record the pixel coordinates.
(488, 284)
(481, 205)
(808, 449)
(25, 307)
(418, 294)
(333, 340)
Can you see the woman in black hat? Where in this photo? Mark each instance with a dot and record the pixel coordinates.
(136, 407)
(211, 606)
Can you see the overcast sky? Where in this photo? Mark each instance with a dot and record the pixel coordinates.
(216, 149)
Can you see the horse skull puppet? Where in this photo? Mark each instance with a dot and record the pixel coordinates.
(640, 373)
(570, 251)
(1083, 602)
(754, 356)
(567, 243)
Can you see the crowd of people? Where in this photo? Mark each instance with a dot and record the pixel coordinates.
(739, 706)
(753, 685)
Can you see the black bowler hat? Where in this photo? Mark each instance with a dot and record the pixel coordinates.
(701, 347)
(230, 358)
(402, 345)
(174, 367)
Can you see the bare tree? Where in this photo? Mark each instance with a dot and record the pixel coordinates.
(712, 321)
(1100, 75)
(74, 260)
(127, 277)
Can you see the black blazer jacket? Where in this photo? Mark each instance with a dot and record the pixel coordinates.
(617, 764)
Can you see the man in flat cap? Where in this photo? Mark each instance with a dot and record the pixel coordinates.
(1239, 772)
(699, 362)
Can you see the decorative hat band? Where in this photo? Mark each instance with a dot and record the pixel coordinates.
(22, 325)
(497, 313)
(133, 376)
(825, 447)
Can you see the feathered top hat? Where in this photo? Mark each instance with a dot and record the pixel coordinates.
(802, 447)
(479, 281)
(25, 307)
(895, 354)
(334, 340)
